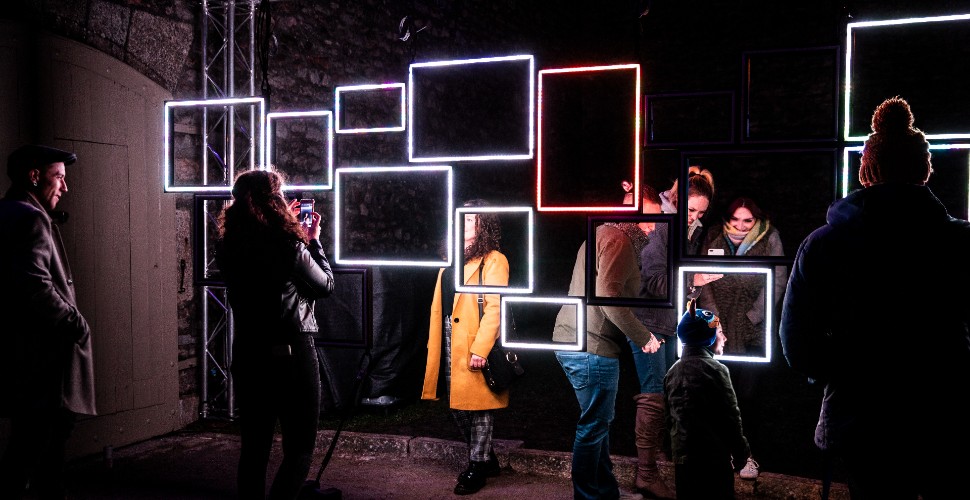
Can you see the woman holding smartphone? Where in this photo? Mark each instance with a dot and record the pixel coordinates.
(274, 268)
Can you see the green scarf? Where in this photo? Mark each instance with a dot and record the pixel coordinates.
(747, 239)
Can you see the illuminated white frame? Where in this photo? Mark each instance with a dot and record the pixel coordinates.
(338, 196)
(845, 165)
(363, 88)
(636, 144)
(769, 299)
(459, 250)
(580, 323)
(532, 91)
(848, 67)
(328, 117)
(168, 160)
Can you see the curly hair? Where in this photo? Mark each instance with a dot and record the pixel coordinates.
(488, 232)
(258, 210)
(895, 151)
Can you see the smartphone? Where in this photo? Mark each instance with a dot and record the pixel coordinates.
(306, 211)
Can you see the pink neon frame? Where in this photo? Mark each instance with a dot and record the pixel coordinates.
(635, 137)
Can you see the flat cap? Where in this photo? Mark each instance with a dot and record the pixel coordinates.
(33, 156)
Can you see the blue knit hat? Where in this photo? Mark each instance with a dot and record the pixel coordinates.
(697, 327)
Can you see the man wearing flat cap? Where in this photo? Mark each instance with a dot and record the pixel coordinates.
(46, 365)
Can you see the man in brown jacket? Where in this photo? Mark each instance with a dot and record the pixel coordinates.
(47, 372)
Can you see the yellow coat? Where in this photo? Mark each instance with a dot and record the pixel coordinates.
(468, 335)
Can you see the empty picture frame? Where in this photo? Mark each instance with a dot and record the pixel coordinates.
(207, 210)
(588, 138)
(344, 317)
(471, 109)
(371, 108)
(207, 141)
(794, 187)
(518, 245)
(753, 288)
(535, 319)
(689, 118)
(598, 296)
(950, 180)
(393, 216)
(916, 58)
(791, 95)
(299, 145)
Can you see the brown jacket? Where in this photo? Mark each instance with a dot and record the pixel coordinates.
(468, 388)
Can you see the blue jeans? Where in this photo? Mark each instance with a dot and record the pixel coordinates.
(651, 368)
(595, 380)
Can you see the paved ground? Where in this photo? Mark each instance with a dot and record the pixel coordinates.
(196, 466)
(203, 467)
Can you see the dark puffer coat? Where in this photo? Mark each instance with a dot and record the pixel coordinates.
(877, 309)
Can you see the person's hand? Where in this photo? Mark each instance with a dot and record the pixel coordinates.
(672, 194)
(294, 206)
(312, 230)
(653, 345)
(476, 363)
(701, 279)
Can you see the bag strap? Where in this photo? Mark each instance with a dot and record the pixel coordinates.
(481, 298)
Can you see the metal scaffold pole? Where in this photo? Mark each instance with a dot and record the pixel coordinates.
(229, 137)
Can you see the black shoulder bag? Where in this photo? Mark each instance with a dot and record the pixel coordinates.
(502, 366)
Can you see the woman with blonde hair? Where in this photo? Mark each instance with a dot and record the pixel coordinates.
(649, 427)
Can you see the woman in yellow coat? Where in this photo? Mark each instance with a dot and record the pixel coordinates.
(459, 342)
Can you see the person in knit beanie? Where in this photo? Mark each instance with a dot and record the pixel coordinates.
(890, 248)
(706, 436)
(895, 150)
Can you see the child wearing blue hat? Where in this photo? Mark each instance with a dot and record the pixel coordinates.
(701, 400)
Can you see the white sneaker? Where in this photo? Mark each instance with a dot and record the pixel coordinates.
(750, 470)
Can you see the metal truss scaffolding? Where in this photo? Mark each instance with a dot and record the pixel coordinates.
(230, 136)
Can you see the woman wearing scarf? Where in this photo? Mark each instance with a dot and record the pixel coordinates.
(739, 300)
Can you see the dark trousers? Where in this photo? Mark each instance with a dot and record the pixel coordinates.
(284, 388)
(35, 454)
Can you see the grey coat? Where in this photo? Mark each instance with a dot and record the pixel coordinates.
(47, 360)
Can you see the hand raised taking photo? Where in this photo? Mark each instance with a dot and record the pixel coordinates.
(313, 229)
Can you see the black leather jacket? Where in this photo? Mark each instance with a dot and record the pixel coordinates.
(272, 289)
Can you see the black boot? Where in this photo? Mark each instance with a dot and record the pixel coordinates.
(473, 479)
(492, 467)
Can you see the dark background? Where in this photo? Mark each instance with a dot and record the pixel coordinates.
(753, 90)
